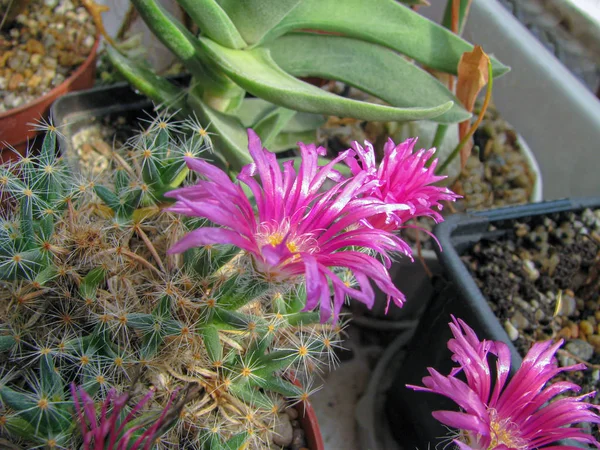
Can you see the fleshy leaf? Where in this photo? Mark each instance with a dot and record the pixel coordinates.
(254, 18)
(256, 72)
(254, 109)
(184, 45)
(212, 343)
(286, 141)
(161, 91)
(230, 135)
(389, 76)
(272, 124)
(214, 22)
(383, 22)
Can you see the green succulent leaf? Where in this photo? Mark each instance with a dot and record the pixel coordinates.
(107, 196)
(256, 72)
(161, 91)
(230, 137)
(46, 226)
(163, 309)
(276, 361)
(286, 141)
(303, 318)
(27, 223)
(170, 175)
(237, 441)
(204, 261)
(272, 124)
(212, 342)
(235, 320)
(281, 386)
(16, 400)
(214, 22)
(254, 18)
(90, 283)
(18, 426)
(177, 38)
(389, 76)
(51, 381)
(45, 275)
(234, 295)
(383, 22)
(140, 321)
(150, 344)
(122, 181)
(7, 343)
(254, 109)
(248, 394)
(302, 127)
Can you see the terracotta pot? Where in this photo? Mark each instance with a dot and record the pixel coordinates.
(15, 130)
(310, 423)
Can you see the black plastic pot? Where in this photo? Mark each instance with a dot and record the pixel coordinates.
(409, 412)
(75, 111)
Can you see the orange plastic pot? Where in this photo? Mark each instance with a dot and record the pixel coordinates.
(14, 129)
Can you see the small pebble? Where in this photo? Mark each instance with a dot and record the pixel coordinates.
(565, 333)
(513, 333)
(586, 328)
(283, 431)
(530, 269)
(539, 315)
(299, 439)
(594, 341)
(581, 349)
(519, 321)
(292, 413)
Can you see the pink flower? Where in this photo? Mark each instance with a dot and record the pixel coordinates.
(298, 229)
(513, 415)
(401, 178)
(115, 429)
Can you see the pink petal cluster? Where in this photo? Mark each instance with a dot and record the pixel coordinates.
(113, 431)
(401, 177)
(518, 414)
(300, 228)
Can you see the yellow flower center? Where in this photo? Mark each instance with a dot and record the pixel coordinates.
(292, 247)
(504, 432)
(275, 239)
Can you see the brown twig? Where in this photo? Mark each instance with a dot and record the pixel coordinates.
(151, 248)
(568, 354)
(96, 11)
(133, 256)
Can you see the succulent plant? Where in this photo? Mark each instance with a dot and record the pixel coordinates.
(125, 315)
(261, 47)
(90, 296)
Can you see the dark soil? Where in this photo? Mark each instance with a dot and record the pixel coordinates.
(542, 279)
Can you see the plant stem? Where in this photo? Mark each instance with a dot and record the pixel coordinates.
(440, 134)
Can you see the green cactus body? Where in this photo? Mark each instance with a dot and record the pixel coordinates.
(90, 296)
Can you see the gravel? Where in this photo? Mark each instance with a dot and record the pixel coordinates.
(41, 48)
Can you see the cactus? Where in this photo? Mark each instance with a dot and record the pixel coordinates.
(262, 47)
(91, 298)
